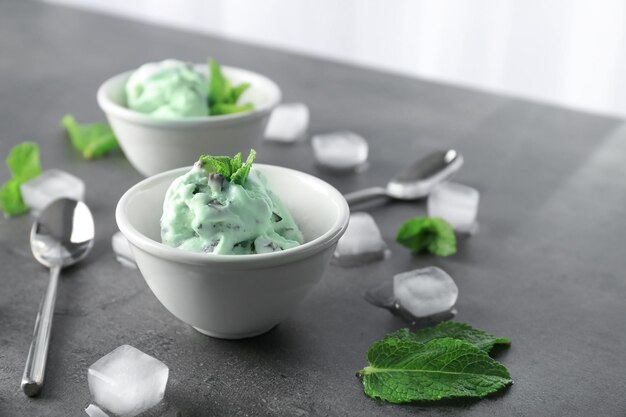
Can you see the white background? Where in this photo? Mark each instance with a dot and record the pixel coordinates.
(568, 52)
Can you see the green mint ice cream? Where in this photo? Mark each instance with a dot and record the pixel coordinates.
(205, 212)
(169, 89)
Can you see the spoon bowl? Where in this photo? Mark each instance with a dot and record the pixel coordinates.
(414, 182)
(62, 235)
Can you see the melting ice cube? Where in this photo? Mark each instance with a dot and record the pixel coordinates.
(127, 381)
(424, 292)
(95, 411)
(455, 203)
(361, 243)
(121, 249)
(49, 186)
(288, 123)
(382, 296)
(340, 150)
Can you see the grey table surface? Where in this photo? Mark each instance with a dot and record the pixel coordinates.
(545, 269)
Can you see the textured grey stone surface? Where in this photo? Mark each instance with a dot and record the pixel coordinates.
(545, 269)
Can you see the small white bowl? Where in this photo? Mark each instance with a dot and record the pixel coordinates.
(155, 145)
(235, 296)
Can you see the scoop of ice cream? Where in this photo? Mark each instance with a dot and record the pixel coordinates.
(169, 89)
(205, 213)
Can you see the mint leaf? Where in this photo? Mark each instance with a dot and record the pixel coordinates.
(100, 146)
(238, 91)
(219, 88)
(23, 162)
(223, 96)
(11, 202)
(230, 108)
(218, 164)
(91, 140)
(240, 176)
(236, 162)
(232, 169)
(455, 330)
(430, 234)
(403, 370)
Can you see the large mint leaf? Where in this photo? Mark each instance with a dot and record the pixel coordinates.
(403, 370)
(481, 339)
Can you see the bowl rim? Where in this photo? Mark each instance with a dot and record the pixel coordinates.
(109, 107)
(153, 247)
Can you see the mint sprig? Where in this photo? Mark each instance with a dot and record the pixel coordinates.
(429, 365)
(429, 234)
(456, 330)
(24, 165)
(222, 95)
(232, 169)
(91, 140)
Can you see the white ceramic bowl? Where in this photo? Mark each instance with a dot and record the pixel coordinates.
(154, 145)
(235, 296)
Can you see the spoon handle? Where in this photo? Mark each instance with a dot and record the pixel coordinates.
(362, 196)
(32, 381)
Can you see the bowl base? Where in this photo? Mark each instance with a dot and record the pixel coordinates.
(233, 336)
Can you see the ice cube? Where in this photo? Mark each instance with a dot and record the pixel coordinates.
(127, 381)
(49, 186)
(425, 292)
(340, 150)
(95, 411)
(455, 203)
(382, 296)
(288, 123)
(121, 249)
(361, 243)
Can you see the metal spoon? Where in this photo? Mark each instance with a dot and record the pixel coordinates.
(415, 181)
(61, 236)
